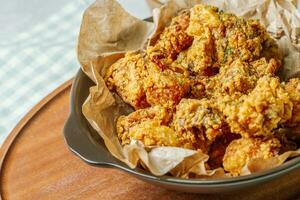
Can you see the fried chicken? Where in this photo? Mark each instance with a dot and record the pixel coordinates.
(150, 125)
(199, 114)
(220, 38)
(126, 77)
(260, 111)
(165, 88)
(292, 87)
(240, 151)
(199, 58)
(218, 147)
(237, 78)
(208, 83)
(141, 83)
(200, 118)
(151, 133)
(171, 42)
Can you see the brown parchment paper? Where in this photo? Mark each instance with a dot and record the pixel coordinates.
(108, 31)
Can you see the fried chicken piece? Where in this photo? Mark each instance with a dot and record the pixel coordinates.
(150, 125)
(155, 113)
(220, 38)
(126, 77)
(200, 114)
(259, 112)
(171, 42)
(218, 148)
(198, 59)
(141, 83)
(292, 87)
(241, 151)
(244, 38)
(264, 67)
(237, 78)
(198, 118)
(151, 133)
(165, 88)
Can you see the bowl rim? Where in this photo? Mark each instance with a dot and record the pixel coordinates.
(264, 175)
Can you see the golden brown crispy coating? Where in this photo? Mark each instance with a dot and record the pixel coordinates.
(237, 78)
(240, 151)
(264, 67)
(149, 125)
(171, 42)
(293, 89)
(165, 88)
(203, 16)
(126, 77)
(151, 133)
(259, 112)
(142, 84)
(200, 114)
(199, 58)
(157, 113)
(125, 123)
(200, 118)
(218, 147)
(220, 38)
(207, 84)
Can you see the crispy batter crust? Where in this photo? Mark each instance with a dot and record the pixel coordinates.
(150, 125)
(240, 151)
(126, 77)
(142, 84)
(219, 146)
(293, 89)
(171, 42)
(235, 79)
(208, 83)
(260, 111)
(220, 38)
(165, 88)
(199, 116)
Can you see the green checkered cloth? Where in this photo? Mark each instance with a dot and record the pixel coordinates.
(36, 62)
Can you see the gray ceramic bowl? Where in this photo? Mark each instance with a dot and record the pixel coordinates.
(87, 144)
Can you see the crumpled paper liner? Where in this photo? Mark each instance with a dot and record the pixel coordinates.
(108, 31)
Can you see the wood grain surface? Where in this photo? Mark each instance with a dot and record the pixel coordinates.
(35, 163)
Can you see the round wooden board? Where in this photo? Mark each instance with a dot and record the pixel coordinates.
(35, 163)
